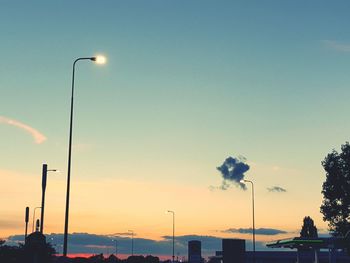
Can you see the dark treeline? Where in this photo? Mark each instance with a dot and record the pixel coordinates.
(110, 259)
(24, 254)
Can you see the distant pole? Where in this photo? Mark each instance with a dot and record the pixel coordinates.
(132, 241)
(43, 187)
(116, 248)
(54, 245)
(34, 217)
(247, 181)
(99, 60)
(37, 225)
(26, 220)
(169, 211)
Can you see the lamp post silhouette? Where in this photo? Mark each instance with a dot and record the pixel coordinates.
(116, 247)
(248, 181)
(34, 217)
(98, 60)
(43, 186)
(132, 241)
(169, 211)
(26, 220)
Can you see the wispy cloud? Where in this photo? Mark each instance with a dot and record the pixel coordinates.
(336, 45)
(91, 243)
(38, 136)
(258, 231)
(4, 224)
(276, 189)
(124, 234)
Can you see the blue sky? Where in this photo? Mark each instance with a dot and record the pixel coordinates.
(187, 84)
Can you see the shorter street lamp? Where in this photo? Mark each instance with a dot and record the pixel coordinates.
(26, 220)
(248, 181)
(43, 186)
(116, 246)
(34, 217)
(53, 245)
(132, 241)
(172, 212)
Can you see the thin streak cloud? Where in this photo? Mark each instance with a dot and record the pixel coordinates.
(258, 231)
(38, 136)
(124, 234)
(92, 243)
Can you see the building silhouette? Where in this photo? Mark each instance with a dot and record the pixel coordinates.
(233, 251)
(194, 251)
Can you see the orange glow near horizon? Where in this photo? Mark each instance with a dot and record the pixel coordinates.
(205, 213)
(120, 256)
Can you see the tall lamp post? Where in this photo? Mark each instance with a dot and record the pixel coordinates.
(132, 241)
(43, 186)
(248, 181)
(98, 60)
(169, 211)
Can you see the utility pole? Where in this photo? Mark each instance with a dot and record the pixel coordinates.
(43, 187)
(26, 219)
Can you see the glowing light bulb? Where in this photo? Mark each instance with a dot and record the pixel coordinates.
(100, 59)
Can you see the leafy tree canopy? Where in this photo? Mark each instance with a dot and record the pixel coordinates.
(336, 191)
(308, 229)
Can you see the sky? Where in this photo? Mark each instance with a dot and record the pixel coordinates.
(186, 85)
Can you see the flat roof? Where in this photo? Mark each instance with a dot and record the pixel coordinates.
(313, 243)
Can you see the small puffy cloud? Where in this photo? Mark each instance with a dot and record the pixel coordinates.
(258, 231)
(232, 171)
(38, 136)
(276, 189)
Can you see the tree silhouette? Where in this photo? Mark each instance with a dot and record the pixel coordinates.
(336, 191)
(308, 229)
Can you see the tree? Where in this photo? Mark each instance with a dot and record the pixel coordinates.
(308, 229)
(336, 191)
(151, 259)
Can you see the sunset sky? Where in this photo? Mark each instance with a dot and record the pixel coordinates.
(186, 84)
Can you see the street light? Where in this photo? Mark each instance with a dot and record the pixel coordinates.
(132, 241)
(98, 60)
(116, 247)
(169, 211)
(54, 245)
(26, 220)
(43, 186)
(248, 181)
(34, 217)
